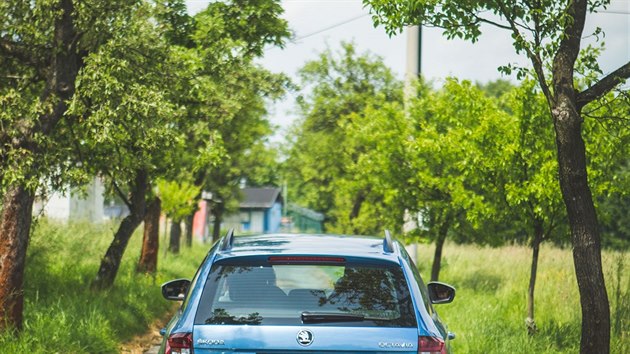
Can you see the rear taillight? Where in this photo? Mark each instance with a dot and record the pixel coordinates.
(431, 345)
(179, 343)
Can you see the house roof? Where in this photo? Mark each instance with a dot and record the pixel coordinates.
(259, 197)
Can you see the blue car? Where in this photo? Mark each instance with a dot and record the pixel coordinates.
(287, 293)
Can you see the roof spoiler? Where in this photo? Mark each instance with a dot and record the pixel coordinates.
(228, 240)
(388, 244)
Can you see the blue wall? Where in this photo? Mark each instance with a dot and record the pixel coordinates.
(273, 217)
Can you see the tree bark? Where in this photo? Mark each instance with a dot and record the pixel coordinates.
(439, 244)
(189, 229)
(356, 209)
(60, 71)
(176, 233)
(576, 193)
(217, 211)
(66, 63)
(137, 208)
(538, 237)
(15, 225)
(356, 205)
(584, 229)
(151, 238)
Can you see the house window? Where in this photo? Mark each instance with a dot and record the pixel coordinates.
(245, 217)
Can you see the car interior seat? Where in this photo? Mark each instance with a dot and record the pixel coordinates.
(255, 285)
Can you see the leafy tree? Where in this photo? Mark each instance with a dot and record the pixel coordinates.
(127, 120)
(178, 201)
(173, 15)
(503, 161)
(496, 88)
(532, 196)
(250, 160)
(230, 89)
(614, 211)
(378, 172)
(531, 192)
(549, 33)
(170, 133)
(242, 138)
(608, 144)
(263, 164)
(340, 86)
(43, 45)
(460, 144)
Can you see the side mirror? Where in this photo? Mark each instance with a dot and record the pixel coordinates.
(440, 293)
(175, 289)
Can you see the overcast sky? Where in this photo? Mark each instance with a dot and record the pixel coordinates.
(320, 23)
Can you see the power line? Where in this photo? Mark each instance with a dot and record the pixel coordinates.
(364, 15)
(294, 41)
(614, 12)
(329, 28)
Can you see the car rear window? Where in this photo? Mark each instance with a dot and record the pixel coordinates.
(253, 292)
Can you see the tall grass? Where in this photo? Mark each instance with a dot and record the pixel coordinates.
(489, 311)
(62, 314)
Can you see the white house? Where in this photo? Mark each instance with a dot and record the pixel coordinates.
(86, 206)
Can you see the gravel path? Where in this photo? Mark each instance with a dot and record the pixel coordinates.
(150, 341)
(153, 350)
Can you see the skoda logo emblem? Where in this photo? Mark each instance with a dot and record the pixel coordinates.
(305, 337)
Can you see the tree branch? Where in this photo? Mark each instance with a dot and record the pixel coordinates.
(12, 49)
(120, 192)
(569, 48)
(604, 85)
(493, 23)
(533, 56)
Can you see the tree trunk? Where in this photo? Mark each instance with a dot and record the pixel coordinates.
(151, 238)
(60, 71)
(439, 244)
(356, 205)
(576, 193)
(189, 229)
(356, 209)
(217, 211)
(538, 237)
(15, 226)
(137, 208)
(176, 233)
(583, 222)
(65, 65)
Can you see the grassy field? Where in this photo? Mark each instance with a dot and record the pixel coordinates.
(489, 311)
(488, 315)
(63, 315)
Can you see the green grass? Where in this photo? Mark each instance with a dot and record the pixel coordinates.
(489, 311)
(62, 314)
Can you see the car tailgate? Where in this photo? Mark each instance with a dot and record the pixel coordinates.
(282, 339)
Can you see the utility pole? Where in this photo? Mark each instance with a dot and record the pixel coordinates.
(414, 52)
(412, 73)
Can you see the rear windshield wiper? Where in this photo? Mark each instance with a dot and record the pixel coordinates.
(319, 317)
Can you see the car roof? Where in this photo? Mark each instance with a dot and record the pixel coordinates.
(309, 244)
